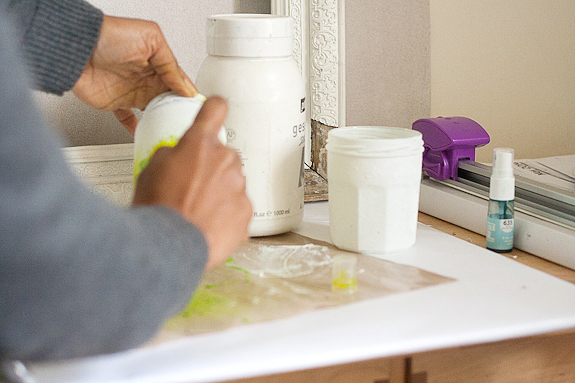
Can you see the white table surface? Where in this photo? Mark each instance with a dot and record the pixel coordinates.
(492, 299)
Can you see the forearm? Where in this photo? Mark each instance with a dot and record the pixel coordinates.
(77, 275)
(80, 277)
(58, 38)
(98, 283)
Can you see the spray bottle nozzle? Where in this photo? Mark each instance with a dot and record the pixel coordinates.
(502, 183)
(502, 162)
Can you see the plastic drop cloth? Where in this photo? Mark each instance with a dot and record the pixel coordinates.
(276, 277)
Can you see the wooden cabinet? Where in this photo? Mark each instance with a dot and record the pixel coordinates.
(545, 358)
(388, 370)
(539, 359)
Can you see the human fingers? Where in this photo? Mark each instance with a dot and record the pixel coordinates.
(188, 81)
(127, 118)
(208, 122)
(218, 200)
(226, 226)
(165, 65)
(239, 212)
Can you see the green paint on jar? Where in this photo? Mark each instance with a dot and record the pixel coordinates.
(171, 141)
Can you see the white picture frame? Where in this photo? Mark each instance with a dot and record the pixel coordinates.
(107, 170)
(319, 50)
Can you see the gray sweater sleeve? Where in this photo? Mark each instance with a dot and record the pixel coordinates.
(77, 276)
(58, 37)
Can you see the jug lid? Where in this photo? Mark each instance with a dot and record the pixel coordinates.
(250, 35)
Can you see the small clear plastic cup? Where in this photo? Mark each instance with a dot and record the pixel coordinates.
(344, 273)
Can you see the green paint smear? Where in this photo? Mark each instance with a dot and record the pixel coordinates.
(139, 167)
(244, 271)
(208, 301)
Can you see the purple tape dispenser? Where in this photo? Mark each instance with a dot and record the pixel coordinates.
(447, 140)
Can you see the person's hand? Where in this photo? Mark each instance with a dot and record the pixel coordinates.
(131, 64)
(201, 179)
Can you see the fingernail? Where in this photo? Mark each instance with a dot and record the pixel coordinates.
(191, 87)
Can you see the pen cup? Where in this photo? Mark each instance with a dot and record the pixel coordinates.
(374, 175)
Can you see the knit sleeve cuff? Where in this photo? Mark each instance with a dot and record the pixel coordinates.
(60, 41)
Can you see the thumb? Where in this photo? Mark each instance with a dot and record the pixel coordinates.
(208, 122)
(173, 76)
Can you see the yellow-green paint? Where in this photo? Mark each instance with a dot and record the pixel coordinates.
(141, 165)
(344, 282)
(208, 302)
(246, 272)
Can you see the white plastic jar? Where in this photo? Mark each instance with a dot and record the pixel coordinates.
(250, 64)
(165, 120)
(374, 176)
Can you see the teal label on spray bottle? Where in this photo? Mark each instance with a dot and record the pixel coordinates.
(500, 233)
(500, 225)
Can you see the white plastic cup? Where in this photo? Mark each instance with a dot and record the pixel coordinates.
(374, 176)
(344, 273)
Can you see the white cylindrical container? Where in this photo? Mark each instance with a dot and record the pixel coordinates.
(374, 175)
(166, 118)
(250, 64)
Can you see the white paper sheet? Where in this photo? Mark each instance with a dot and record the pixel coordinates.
(492, 299)
(553, 171)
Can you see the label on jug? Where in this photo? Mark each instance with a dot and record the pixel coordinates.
(271, 144)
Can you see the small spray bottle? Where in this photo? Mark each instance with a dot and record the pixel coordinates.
(500, 215)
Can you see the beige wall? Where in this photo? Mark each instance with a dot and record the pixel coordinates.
(387, 62)
(509, 65)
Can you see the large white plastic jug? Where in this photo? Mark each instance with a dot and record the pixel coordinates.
(250, 64)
